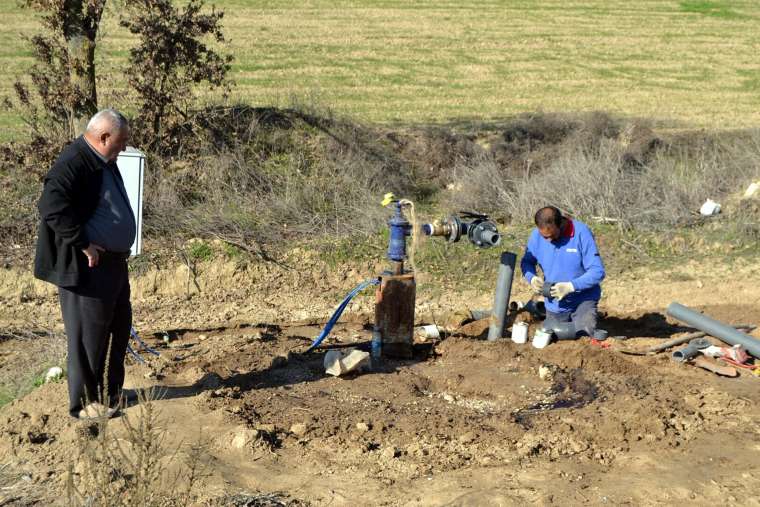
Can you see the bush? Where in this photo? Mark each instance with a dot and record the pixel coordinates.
(640, 182)
(264, 176)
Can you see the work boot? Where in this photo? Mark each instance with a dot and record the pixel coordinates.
(96, 410)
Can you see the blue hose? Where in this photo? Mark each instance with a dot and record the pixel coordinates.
(137, 338)
(339, 311)
(142, 344)
(135, 355)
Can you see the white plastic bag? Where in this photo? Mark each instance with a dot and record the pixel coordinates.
(709, 208)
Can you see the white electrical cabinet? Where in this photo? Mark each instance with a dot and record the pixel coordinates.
(131, 163)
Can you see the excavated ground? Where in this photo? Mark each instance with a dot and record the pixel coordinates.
(466, 422)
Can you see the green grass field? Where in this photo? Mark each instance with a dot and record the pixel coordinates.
(684, 63)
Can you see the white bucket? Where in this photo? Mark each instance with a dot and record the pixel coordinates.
(541, 338)
(520, 332)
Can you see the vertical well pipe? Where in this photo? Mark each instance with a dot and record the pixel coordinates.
(501, 296)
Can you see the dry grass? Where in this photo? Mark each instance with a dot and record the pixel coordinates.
(30, 355)
(270, 176)
(683, 64)
(600, 169)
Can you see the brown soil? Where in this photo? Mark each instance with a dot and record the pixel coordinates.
(466, 422)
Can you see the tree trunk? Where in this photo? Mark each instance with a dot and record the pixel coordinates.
(82, 75)
(82, 18)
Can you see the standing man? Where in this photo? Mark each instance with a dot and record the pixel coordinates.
(569, 259)
(86, 230)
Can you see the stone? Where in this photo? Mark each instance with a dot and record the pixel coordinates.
(468, 437)
(332, 363)
(267, 428)
(544, 372)
(355, 360)
(416, 449)
(39, 419)
(53, 374)
(390, 452)
(529, 445)
(299, 429)
(363, 427)
(338, 362)
(243, 437)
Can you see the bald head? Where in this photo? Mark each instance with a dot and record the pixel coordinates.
(549, 222)
(108, 133)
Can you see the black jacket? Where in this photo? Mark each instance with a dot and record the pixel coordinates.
(69, 197)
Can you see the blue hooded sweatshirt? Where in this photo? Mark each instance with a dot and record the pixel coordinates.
(573, 257)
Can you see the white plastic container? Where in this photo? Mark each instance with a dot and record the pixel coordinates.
(520, 332)
(429, 332)
(131, 164)
(541, 338)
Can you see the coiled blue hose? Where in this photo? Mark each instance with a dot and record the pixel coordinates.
(339, 311)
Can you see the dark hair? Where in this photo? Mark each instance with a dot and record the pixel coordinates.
(548, 215)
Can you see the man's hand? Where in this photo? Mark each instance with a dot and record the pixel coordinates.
(561, 289)
(93, 254)
(537, 283)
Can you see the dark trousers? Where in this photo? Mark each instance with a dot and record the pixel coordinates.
(94, 314)
(584, 317)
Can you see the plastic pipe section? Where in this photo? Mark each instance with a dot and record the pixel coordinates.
(501, 296)
(564, 330)
(714, 328)
(569, 331)
(691, 350)
(535, 308)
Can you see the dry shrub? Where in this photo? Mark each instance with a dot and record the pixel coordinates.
(264, 176)
(133, 469)
(22, 167)
(434, 151)
(633, 179)
(744, 217)
(258, 177)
